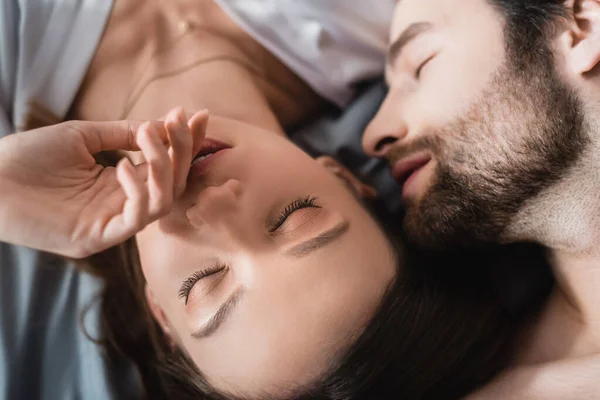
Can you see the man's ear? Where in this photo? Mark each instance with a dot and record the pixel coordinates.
(583, 36)
(359, 188)
(159, 315)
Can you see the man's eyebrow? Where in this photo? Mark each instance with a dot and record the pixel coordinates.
(405, 38)
(220, 316)
(323, 239)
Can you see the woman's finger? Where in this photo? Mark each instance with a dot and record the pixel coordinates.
(160, 171)
(113, 135)
(198, 124)
(180, 152)
(134, 216)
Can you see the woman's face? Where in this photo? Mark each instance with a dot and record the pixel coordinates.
(267, 268)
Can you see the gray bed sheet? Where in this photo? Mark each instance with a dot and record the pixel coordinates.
(340, 135)
(44, 353)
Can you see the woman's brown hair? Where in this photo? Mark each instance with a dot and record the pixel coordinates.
(440, 331)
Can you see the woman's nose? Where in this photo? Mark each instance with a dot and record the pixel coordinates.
(215, 204)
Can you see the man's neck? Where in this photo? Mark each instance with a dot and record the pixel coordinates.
(566, 219)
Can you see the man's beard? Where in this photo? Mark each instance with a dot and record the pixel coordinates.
(519, 138)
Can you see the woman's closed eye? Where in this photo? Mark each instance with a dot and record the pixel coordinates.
(296, 205)
(187, 286)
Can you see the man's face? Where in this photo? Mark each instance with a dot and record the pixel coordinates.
(474, 125)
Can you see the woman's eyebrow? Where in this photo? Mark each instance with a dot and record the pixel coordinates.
(321, 240)
(300, 250)
(220, 316)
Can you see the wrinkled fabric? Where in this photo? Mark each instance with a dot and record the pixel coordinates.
(45, 49)
(45, 351)
(333, 45)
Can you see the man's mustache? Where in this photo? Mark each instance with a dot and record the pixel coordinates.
(428, 142)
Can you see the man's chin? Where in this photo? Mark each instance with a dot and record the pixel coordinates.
(440, 227)
(418, 231)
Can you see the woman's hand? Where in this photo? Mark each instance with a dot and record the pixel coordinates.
(54, 197)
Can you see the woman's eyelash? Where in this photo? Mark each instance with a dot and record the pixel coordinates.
(297, 204)
(188, 284)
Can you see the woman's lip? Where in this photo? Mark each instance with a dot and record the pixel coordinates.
(200, 168)
(210, 145)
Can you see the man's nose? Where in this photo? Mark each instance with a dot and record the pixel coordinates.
(387, 128)
(216, 204)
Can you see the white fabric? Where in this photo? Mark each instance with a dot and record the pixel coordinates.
(331, 44)
(45, 49)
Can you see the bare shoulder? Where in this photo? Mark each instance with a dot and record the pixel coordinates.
(572, 379)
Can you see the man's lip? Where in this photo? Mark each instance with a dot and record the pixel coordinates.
(405, 167)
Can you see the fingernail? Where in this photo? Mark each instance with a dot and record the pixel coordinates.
(144, 129)
(152, 134)
(181, 117)
(205, 111)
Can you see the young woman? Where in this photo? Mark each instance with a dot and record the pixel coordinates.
(255, 272)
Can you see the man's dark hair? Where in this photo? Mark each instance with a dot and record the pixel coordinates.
(528, 23)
